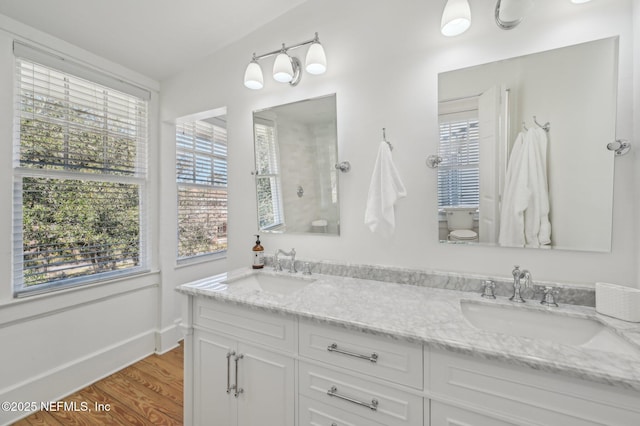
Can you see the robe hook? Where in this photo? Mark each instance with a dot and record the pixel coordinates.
(384, 138)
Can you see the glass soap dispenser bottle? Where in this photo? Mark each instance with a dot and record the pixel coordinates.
(258, 254)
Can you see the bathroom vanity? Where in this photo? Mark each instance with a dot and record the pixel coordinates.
(289, 349)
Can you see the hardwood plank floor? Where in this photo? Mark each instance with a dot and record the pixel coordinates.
(148, 392)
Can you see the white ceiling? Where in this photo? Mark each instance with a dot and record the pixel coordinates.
(156, 38)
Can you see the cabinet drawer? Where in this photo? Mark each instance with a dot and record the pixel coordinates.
(524, 395)
(370, 400)
(447, 415)
(395, 361)
(315, 413)
(273, 330)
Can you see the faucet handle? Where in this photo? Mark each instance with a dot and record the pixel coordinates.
(488, 287)
(548, 298)
(306, 269)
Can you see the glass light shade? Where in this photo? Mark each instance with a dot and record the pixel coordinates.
(456, 18)
(253, 76)
(316, 61)
(282, 68)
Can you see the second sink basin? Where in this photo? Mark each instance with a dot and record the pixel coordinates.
(271, 283)
(545, 325)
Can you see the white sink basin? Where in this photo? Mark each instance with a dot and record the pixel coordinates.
(270, 283)
(545, 325)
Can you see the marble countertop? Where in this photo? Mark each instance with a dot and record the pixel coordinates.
(433, 317)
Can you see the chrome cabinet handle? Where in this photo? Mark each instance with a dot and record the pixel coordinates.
(372, 406)
(229, 387)
(237, 390)
(334, 348)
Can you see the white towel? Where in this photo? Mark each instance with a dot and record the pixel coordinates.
(537, 228)
(524, 216)
(515, 197)
(385, 189)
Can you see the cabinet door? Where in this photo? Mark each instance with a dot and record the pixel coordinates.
(267, 383)
(212, 404)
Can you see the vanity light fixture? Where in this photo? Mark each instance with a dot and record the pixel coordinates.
(580, 1)
(286, 68)
(509, 13)
(456, 18)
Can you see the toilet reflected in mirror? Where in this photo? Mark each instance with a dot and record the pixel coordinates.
(461, 224)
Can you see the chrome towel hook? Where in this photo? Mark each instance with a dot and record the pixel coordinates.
(620, 146)
(433, 161)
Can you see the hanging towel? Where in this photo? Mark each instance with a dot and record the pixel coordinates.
(385, 189)
(515, 197)
(537, 228)
(524, 215)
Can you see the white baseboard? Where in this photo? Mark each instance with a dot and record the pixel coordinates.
(66, 379)
(168, 337)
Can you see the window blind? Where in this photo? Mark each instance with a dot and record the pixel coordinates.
(80, 173)
(201, 174)
(270, 211)
(459, 172)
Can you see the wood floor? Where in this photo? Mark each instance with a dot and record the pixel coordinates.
(146, 393)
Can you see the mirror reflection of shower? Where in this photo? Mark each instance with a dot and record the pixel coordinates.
(296, 178)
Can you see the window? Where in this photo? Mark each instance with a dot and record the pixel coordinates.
(268, 176)
(459, 171)
(80, 179)
(201, 173)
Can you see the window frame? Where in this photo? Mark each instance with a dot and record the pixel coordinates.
(25, 56)
(273, 177)
(456, 112)
(214, 185)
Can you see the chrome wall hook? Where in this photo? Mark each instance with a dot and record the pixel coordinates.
(433, 161)
(619, 146)
(343, 166)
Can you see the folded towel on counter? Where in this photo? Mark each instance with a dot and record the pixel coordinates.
(385, 189)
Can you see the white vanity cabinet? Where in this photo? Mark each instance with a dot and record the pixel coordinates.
(472, 391)
(243, 368)
(248, 367)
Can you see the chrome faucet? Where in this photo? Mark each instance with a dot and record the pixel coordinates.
(276, 262)
(517, 284)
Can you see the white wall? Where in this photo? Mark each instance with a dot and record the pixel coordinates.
(56, 343)
(383, 60)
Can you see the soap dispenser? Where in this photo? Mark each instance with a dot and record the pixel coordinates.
(258, 254)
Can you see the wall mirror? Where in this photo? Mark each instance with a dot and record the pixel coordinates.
(296, 149)
(525, 138)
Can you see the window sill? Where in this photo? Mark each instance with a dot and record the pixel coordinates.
(198, 260)
(38, 305)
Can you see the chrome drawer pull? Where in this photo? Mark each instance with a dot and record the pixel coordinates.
(334, 348)
(372, 406)
(229, 387)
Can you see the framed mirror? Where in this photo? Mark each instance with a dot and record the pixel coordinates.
(523, 158)
(296, 149)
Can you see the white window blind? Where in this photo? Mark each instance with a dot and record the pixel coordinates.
(459, 171)
(201, 173)
(270, 212)
(80, 174)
